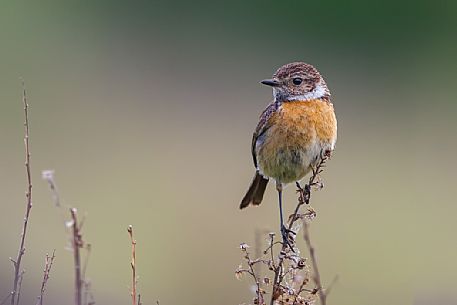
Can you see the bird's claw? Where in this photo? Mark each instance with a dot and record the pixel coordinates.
(288, 237)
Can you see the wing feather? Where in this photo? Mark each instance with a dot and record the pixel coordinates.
(262, 127)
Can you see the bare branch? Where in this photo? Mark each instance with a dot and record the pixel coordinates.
(28, 196)
(86, 260)
(77, 243)
(133, 265)
(312, 255)
(251, 271)
(330, 286)
(83, 293)
(88, 296)
(19, 286)
(47, 269)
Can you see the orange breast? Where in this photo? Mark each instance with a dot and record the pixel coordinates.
(300, 121)
(298, 132)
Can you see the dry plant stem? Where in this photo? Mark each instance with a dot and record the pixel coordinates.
(83, 295)
(86, 292)
(88, 296)
(304, 198)
(28, 197)
(76, 243)
(305, 193)
(133, 265)
(312, 254)
(252, 272)
(86, 260)
(19, 286)
(47, 269)
(330, 286)
(257, 282)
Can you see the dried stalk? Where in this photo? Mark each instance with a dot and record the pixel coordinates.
(77, 243)
(88, 296)
(312, 255)
(19, 286)
(15, 293)
(304, 198)
(83, 294)
(133, 265)
(47, 269)
(288, 272)
(251, 271)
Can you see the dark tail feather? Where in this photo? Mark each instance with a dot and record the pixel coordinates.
(255, 192)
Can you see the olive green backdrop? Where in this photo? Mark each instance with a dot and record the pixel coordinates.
(146, 110)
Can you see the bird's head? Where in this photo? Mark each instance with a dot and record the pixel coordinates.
(297, 81)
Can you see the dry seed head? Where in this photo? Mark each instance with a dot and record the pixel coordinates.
(244, 246)
(301, 263)
(239, 272)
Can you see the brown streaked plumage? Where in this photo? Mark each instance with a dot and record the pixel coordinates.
(293, 131)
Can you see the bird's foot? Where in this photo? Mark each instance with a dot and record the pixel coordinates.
(288, 237)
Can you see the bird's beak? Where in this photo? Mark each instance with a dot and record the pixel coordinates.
(270, 82)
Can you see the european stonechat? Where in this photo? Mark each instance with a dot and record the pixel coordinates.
(293, 131)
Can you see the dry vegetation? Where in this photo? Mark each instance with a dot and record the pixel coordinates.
(290, 278)
(82, 285)
(136, 297)
(15, 294)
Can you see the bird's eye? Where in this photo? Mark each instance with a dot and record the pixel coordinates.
(297, 81)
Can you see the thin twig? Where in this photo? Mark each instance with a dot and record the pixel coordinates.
(28, 197)
(77, 243)
(88, 296)
(252, 272)
(133, 264)
(305, 192)
(83, 295)
(330, 286)
(270, 248)
(86, 260)
(47, 269)
(312, 254)
(19, 286)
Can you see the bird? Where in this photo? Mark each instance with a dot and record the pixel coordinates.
(293, 132)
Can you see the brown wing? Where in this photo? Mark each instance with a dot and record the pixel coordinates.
(262, 127)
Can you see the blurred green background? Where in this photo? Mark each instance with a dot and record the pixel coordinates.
(146, 111)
